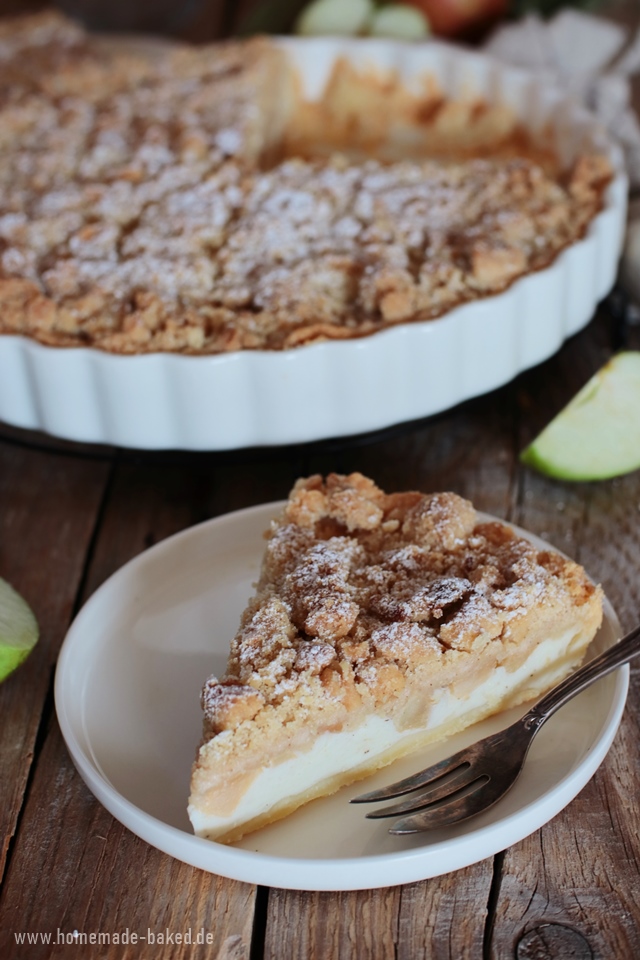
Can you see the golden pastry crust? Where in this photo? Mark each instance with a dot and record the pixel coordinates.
(135, 216)
(369, 603)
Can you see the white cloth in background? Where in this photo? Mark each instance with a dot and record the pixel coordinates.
(592, 58)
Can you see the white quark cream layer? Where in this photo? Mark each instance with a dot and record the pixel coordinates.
(333, 755)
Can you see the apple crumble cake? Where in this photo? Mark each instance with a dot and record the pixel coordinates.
(150, 203)
(381, 622)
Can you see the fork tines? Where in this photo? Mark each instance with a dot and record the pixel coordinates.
(450, 766)
(458, 787)
(448, 787)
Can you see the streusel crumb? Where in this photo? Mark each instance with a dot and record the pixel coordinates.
(364, 596)
(147, 203)
(380, 624)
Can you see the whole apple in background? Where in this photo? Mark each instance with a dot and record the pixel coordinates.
(334, 18)
(450, 17)
(350, 18)
(398, 21)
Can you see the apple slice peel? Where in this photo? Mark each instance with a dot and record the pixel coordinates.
(597, 435)
(18, 629)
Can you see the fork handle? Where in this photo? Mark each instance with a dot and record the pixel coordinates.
(621, 652)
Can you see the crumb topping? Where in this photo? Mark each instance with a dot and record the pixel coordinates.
(227, 704)
(349, 611)
(134, 216)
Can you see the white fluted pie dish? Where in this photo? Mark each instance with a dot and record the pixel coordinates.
(347, 387)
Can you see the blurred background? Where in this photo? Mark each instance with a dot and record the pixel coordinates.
(202, 20)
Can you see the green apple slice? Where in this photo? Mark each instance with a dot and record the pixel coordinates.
(597, 435)
(18, 629)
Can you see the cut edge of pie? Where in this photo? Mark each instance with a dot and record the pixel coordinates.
(381, 623)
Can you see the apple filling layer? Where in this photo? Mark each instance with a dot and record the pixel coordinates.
(381, 623)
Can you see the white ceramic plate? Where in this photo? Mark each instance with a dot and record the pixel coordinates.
(253, 398)
(127, 696)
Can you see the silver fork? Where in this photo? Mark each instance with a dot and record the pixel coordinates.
(475, 778)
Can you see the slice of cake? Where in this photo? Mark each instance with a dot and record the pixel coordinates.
(381, 622)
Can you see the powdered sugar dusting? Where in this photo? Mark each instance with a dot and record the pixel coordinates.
(348, 609)
(314, 656)
(225, 704)
(135, 217)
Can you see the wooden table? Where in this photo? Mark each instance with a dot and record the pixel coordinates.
(71, 516)
(68, 519)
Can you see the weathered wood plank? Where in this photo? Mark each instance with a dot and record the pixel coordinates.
(101, 877)
(76, 868)
(580, 873)
(48, 508)
(152, 500)
(439, 919)
(573, 887)
(312, 926)
(445, 918)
